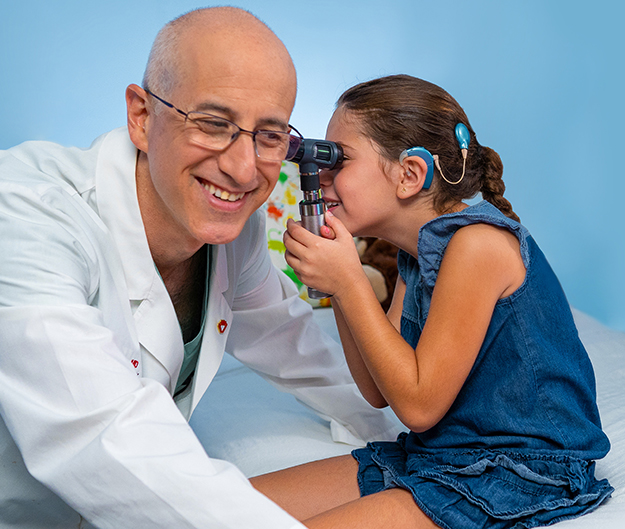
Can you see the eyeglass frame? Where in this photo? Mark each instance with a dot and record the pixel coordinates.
(236, 135)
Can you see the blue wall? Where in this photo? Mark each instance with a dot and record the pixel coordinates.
(541, 81)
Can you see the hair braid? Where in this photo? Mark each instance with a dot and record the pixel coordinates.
(493, 186)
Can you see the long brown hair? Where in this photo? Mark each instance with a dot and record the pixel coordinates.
(399, 111)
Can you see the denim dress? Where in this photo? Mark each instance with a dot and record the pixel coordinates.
(516, 448)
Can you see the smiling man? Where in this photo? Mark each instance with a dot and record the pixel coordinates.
(127, 269)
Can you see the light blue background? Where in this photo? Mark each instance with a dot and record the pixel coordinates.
(541, 82)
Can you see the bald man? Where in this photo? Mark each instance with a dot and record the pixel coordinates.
(126, 271)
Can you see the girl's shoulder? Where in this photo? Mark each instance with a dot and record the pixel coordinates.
(478, 223)
(476, 231)
(488, 252)
(481, 213)
(482, 238)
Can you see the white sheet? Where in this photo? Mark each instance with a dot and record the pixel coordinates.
(245, 420)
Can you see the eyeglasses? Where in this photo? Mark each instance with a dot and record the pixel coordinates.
(214, 132)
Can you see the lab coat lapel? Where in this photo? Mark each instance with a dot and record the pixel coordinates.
(217, 325)
(159, 334)
(158, 330)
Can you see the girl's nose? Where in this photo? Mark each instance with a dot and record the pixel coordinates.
(326, 177)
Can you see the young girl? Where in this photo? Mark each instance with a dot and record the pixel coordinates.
(478, 354)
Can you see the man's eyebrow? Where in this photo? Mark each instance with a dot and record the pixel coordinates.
(214, 107)
(273, 123)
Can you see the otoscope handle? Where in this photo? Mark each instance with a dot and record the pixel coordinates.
(311, 156)
(312, 212)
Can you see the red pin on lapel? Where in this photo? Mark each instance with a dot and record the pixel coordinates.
(222, 326)
(135, 363)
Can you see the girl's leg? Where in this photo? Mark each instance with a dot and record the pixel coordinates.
(390, 508)
(312, 488)
(325, 495)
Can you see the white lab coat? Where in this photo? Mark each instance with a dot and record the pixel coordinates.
(90, 350)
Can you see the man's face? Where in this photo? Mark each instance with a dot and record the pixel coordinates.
(190, 191)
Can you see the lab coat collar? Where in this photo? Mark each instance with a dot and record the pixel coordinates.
(118, 206)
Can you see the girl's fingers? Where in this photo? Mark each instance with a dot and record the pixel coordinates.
(338, 228)
(327, 232)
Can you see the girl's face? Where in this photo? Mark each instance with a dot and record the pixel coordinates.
(360, 193)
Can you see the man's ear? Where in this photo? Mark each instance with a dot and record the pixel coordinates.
(413, 172)
(137, 116)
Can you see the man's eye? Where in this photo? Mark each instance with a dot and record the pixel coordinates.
(213, 126)
(271, 137)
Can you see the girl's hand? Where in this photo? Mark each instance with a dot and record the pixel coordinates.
(329, 263)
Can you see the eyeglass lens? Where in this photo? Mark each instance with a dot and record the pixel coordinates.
(217, 133)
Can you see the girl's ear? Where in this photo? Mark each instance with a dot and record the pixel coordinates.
(137, 116)
(412, 177)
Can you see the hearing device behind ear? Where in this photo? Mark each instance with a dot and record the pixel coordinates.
(426, 156)
(463, 136)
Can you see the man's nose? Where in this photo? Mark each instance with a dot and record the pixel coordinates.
(239, 159)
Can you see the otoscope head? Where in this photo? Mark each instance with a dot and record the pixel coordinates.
(314, 155)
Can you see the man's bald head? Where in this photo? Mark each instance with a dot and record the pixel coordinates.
(166, 65)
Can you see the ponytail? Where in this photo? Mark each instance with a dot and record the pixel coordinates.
(493, 186)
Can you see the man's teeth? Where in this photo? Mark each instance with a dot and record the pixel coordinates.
(223, 194)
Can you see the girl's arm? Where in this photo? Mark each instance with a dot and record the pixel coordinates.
(397, 304)
(357, 366)
(306, 271)
(481, 265)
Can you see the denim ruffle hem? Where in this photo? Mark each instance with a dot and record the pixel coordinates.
(459, 488)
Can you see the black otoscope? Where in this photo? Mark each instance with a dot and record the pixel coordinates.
(312, 156)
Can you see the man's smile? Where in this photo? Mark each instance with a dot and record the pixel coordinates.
(222, 194)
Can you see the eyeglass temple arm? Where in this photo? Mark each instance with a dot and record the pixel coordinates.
(166, 103)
